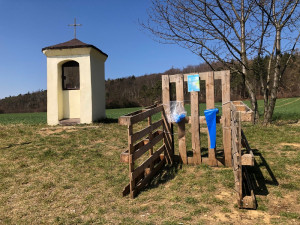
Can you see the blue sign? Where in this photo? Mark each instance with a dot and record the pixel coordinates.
(193, 83)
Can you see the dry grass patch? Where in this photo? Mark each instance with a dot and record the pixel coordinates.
(73, 176)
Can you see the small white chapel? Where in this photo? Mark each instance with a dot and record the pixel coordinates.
(75, 82)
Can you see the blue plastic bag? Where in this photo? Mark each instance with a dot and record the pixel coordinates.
(211, 121)
(175, 111)
(179, 117)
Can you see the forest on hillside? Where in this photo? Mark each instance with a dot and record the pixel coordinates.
(144, 90)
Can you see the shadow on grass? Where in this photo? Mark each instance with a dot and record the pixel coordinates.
(108, 120)
(258, 179)
(166, 174)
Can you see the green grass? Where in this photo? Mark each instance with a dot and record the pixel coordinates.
(73, 175)
(286, 109)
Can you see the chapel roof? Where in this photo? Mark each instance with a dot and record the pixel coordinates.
(74, 43)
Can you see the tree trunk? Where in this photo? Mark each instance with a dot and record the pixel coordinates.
(273, 92)
(249, 86)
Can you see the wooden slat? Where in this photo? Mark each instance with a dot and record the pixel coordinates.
(142, 133)
(239, 145)
(195, 128)
(147, 163)
(247, 160)
(147, 179)
(181, 125)
(210, 104)
(220, 161)
(131, 163)
(124, 120)
(226, 114)
(202, 119)
(218, 75)
(137, 154)
(248, 116)
(168, 127)
(140, 117)
(150, 139)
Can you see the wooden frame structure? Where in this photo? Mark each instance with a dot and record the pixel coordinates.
(143, 141)
(195, 119)
(241, 159)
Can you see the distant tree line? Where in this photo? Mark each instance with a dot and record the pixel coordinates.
(23, 103)
(144, 90)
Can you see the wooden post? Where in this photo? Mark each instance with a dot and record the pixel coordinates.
(168, 127)
(210, 104)
(131, 162)
(226, 117)
(239, 148)
(150, 139)
(195, 128)
(181, 125)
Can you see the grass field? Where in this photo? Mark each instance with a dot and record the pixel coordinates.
(286, 109)
(73, 175)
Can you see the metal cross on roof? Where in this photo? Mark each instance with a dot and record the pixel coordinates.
(75, 25)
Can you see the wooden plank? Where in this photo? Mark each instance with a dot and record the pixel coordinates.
(142, 133)
(148, 178)
(181, 125)
(195, 128)
(168, 127)
(150, 139)
(248, 116)
(226, 115)
(241, 108)
(218, 75)
(202, 119)
(141, 116)
(239, 145)
(147, 163)
(137, 154)
(124, 120)
(210, 104)
(124, 156)
(128, 118)
(248, 202)
(131, 162)
(247, 160)
(220, 161)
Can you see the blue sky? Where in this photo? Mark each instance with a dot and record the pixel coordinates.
(111, 25)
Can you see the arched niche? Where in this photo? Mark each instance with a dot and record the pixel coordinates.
(70, 76)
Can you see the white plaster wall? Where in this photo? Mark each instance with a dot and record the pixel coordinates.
(55, 96)
(71, 103)
(98, 85)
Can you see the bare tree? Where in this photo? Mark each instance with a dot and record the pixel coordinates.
(219, 30)
(279, 17)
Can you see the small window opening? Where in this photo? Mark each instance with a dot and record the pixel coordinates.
(70, 76)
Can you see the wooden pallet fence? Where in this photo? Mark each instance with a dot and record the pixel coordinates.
(142, 142)
(240, 161)
(196, 120)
